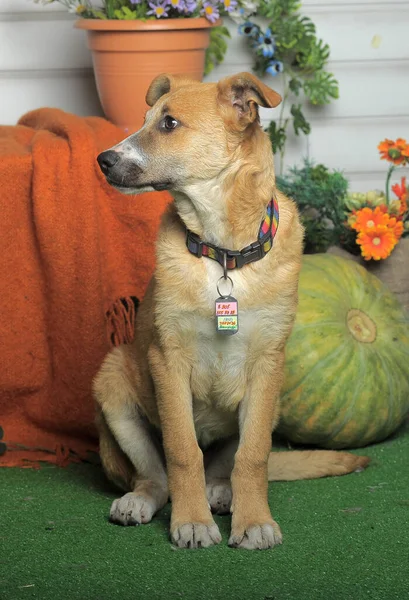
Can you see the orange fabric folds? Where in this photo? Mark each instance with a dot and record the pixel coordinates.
(74, 254)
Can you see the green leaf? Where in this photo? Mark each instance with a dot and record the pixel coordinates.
(278, 9)
(319, 194)
(260, 65)
(304, 57)
(295, 85)
(277, 136)
(299, 122)
(308, 27)
(125, 14)
(217, 49)
(320, 174)
(110, 6)
(223, 31)
(93, 13)
(321, 88)
(313, 56)
(290, 32)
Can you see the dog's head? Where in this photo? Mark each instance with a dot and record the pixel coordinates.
(191, 133)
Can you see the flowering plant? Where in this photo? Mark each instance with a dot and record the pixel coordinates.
(287, 44)
(144, 10)
(378, 220)
(154, 9)
(319, 193)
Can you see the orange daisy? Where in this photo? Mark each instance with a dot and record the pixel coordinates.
(396, 226)
(384, 148)
(395, 152)
(368, 218)
(377, 243)
(403, 146)
(401, 191)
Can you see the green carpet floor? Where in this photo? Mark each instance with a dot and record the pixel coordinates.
(344, 538)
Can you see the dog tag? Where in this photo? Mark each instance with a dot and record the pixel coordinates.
(227, 315)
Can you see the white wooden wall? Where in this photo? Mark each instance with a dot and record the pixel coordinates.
(44, 61)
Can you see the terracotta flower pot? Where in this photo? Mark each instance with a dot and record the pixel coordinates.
(127, 55)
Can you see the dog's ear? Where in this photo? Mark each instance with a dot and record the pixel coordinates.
(158, 88)
(163, 84)
(244, 92)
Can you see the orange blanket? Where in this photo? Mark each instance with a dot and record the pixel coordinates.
(71, 248)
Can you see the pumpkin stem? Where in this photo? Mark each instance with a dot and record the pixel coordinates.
(361, 326)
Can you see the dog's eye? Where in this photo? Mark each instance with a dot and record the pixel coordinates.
(169, 123)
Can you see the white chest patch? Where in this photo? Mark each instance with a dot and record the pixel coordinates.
(215, 272)
(219, 378)
(220, 372)
(222, 364)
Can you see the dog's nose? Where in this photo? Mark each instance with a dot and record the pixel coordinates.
(107, 159)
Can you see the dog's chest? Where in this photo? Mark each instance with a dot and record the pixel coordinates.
(219, 373)
(221, 364)
(219, 378)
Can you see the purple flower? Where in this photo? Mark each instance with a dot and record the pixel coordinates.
(190, 6)
(160, 9)
(210, 11)
(229, 5)
(135, 1)
(178, 4)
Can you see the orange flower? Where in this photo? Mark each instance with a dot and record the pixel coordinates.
(384, 148)
(403, 146)
(383, 208)
(395, 152)
(368, 218)
(377, 243)
(396, 226)
(401, 192)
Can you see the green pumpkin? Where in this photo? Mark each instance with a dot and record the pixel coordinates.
(347, 359)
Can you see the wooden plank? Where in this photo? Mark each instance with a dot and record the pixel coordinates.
(365, 34)
(366, 89)
(42, 45)
(349, 144)
(351, 36)
(27, 6)
(73, 92)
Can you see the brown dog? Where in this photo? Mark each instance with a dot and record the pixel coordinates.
(182, 385)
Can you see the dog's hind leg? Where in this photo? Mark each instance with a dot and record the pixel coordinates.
(129, 452)
(117, 466)
(219, 460)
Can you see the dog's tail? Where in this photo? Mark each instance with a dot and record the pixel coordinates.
(305, 464)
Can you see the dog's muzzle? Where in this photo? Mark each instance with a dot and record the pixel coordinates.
(118, 170)
(107, 160)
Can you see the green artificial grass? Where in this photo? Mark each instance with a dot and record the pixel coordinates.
(344, 538)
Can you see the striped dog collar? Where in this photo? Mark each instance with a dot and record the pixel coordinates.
(236, 259)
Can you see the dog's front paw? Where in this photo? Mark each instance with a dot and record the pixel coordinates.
(132, 509)
(196, 535)
(256, 537)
